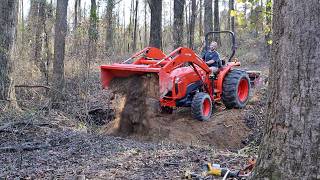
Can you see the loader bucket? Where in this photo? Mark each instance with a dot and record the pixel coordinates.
(108, 72)
(148, 60)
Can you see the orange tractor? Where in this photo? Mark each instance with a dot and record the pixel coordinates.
(185, 80)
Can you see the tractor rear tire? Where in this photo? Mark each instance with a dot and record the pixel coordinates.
(201, 106)
(236, 89)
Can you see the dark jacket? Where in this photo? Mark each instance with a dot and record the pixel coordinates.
(211, 55)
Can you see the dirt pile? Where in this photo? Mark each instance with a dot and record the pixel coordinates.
(138, 116)
(136, 104)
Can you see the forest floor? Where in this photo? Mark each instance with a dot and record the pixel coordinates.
(37, 147)
(51, 145)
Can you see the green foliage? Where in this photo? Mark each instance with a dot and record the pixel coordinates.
(253, 1)
(267, 29)
(269, 4)
(233, 13)
(93, 15)
(241, 19)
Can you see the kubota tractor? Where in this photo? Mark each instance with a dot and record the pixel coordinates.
(185, 80)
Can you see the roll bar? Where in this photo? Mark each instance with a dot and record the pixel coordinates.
(233, 40)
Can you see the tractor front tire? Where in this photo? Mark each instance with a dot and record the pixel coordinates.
(236, 89)
(201, 107)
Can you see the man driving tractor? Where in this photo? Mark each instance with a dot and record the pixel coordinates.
(212, 57)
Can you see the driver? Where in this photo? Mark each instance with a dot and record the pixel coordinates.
(212, 57)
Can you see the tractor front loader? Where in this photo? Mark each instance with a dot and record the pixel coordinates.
(185, 80)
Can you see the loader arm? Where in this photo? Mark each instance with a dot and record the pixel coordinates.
(179, 57)
(184, 55)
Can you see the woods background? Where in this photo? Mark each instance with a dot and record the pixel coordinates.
(90, 33)
(50, 52)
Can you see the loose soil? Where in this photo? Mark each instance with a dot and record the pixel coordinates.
(138, 116)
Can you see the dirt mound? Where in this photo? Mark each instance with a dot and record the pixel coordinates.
(138, 116)
(136, 104)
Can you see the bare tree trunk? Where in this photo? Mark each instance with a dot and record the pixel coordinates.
(93, 30)
(109, 31)
(140, 39)
(263, 14)
(22, 34)
(60, 30)
(33, 12)
(130, 34)
(290, 147)
(216, 21)
(77, 12)
(83, 12)
(75, 15)
(38, 40)
(47, 58)
(91, 55)
(268, 24)
(208, 21)
(231, 18)
(155, 23)
(145, 24)
(118, 26)
(77, 19)
(192, 22)
(8, 20)
(187, 22)
(245, 9)
(200, 18)
(170, 15)
(178, 8)
(124, 36)
(134, 44)
(47, 24)
(34, 31)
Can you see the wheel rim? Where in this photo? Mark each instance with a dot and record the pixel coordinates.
(243, 90)
(206, 107)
